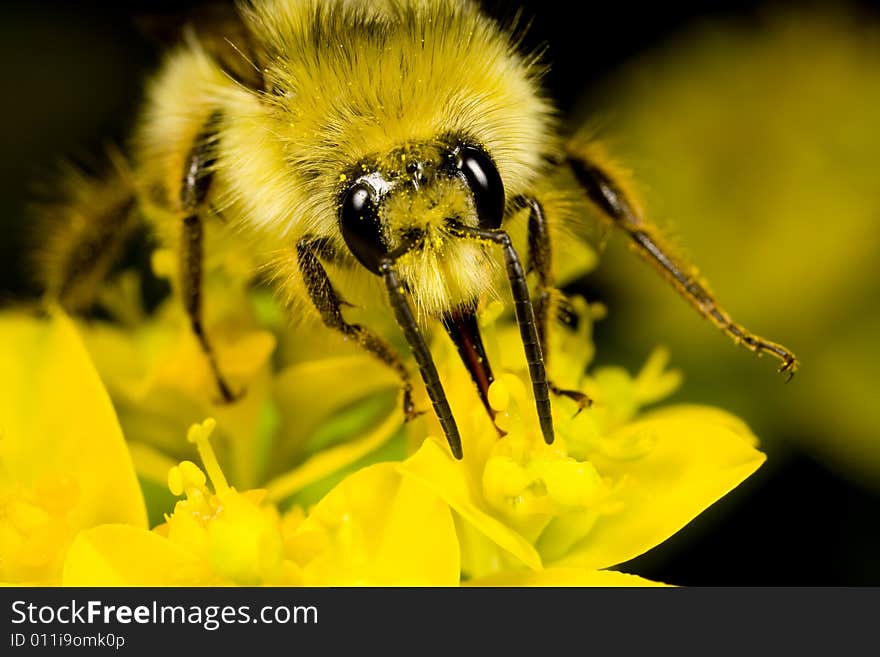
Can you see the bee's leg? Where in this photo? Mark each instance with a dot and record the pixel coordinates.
(328, 303)
(608, 195)
(541, 261)
(416, 341)
(525, 317)
(81, 236)
(197, 176)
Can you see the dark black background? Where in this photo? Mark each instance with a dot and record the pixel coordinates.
(73, 74)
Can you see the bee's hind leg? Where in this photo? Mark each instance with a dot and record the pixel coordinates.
(80, 236)
(197, 176)
(546, 304)
(309, 251)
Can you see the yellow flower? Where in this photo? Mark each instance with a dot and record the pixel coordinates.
(160, 381)
(285, 432)
(63, 462)
(515, 511)
(610, 487)
(361, 533)
(71, 511)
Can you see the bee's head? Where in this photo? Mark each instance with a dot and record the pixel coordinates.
(405, 200)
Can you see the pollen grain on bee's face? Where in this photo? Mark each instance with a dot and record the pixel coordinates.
(449, 271)
(427, 208)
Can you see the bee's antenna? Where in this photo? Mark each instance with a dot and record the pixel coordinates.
(419, 348)
(525, 317)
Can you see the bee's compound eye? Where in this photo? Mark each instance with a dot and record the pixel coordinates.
(485, 182)
(361, 228)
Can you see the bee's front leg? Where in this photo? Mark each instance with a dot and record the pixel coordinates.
(197, 175)
(329, 305)
(541, 261)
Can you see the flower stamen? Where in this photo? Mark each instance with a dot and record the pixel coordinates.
(199, 434)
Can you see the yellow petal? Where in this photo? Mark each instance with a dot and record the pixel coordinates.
(117, 555)
(436, 469)
(333, 459)
(654, 382)
(239, 431)
(563, 577)
(182, 366)
(56, 417)
(378, 528)
(309, 393)
(161, 382)
(698, 455)
(151, 464)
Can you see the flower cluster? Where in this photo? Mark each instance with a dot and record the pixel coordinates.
(313, 478)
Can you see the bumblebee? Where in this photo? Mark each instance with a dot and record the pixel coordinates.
(389, 153)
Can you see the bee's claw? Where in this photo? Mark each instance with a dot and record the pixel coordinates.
(227, 396)
(789, 367)
(409, 408)
(583, 401)
(412, 414)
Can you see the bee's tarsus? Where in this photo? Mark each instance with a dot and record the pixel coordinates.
(740, 335)
(410, 412)
(789, 367)
(582, 400)
(418, 346)
(225, 392)
(227, 396)
(525, 318)
(541, 259)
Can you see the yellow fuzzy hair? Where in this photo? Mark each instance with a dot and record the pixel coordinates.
(80, 232)
(347, 80)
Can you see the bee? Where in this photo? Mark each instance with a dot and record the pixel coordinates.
(396, 154)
